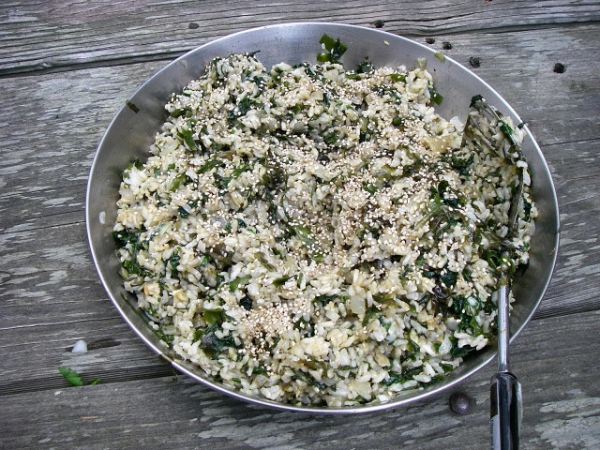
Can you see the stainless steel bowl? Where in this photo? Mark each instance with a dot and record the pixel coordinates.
(132, 131)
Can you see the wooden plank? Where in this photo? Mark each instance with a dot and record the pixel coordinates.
(110, 32)
(561, 399)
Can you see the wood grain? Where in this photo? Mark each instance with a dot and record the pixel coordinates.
(115, 32)
(67, 67)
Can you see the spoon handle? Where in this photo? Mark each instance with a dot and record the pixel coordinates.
(505, 392)
(505, 412)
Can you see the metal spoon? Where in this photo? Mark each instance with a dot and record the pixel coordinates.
(505, 389)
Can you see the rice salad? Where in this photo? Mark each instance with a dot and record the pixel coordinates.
(317, 236)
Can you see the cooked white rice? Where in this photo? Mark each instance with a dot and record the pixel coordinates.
(315, 236)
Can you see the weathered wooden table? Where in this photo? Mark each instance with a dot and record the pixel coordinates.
(67, 66)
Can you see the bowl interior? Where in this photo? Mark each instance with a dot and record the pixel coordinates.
(132, 131)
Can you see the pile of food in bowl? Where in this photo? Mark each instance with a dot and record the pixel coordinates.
(318, 236)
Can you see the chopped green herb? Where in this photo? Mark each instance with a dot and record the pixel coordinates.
(507, 130)
(370, 188)
(221, 182)
(435, 96)
(365, 66)
(475, 99)
(396, 77)
(324, 298)
(395, 377)
(213, 316)
(173, 262)
(209, 165)
(370, 314)
(71, 376)
(334, 49)
(183, 213)
(246, 303)
(181, 112)
(132, 106)
(180, 179)
(186, 133)
(448, 278)
(259, 371)
(278, 282)
(397, 121)
(212, 344)
(233, 285)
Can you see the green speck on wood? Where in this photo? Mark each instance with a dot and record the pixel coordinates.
(71, 376)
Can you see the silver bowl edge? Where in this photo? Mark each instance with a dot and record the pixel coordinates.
(130, 135)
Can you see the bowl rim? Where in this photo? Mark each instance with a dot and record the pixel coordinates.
(125, 308)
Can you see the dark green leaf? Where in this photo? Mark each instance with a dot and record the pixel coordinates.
(245, 105)
(475, 99)
(395, 377)
(187, 135)
(436, 97)
(507, 130)
(370, 188)
(462, 165)
(132, 106)
(324, 298)
(457, 352)
(212, 344)
(183, 213)
(304, 234)
(246, 303)
(309, 379)
(209, 165)
(371, 313)
(258, 370)
(327, 41)
(365, 66)
(448, 278)
(173, 262)
(398, 77)
(181, 112)
(335, 48)
(240, 169)
(124, 237)
(331, 138)
(492, 257)
(213, 316)
(233, 285)
(278, 282)
(397, 121)
(180, 179)
(220, 181)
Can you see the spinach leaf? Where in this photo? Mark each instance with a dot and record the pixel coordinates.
(211, 343)
(435, 96)
(395, 377)
(233, 285)
(334, 49)
(278, 282)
